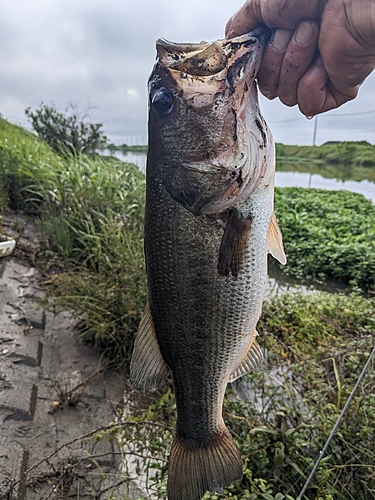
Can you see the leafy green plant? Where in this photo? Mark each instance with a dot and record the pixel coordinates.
(91, 210)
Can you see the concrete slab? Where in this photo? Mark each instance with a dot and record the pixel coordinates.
(52, 395)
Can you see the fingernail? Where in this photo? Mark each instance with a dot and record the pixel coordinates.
(281, 39)
(304, 33)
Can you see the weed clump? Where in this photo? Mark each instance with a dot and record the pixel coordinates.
(91, 212)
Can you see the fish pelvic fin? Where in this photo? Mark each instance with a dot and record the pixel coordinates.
(234, 244)
(194, 470)
(252, 359)
(148, 369)
(275, 241)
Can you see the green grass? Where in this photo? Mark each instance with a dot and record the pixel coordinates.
(91, 211)
(125, 147)
(343, 172)
(347, 152)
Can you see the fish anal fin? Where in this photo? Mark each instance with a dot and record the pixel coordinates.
(148, 369)
(234, 244)
(252, 359)
(196, 469)
(275, 241)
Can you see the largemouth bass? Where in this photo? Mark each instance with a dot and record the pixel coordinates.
(209, 224)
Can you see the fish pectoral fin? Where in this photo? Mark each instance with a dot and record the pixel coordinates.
(148, 369)
(250, 362)
(233, 244)
(275, 241)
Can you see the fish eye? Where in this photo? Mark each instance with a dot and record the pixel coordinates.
(162, 101)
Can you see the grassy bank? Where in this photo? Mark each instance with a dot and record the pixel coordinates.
(347, 153)
(343, 172)
(124, 148)
(358, 153)
(91, 212)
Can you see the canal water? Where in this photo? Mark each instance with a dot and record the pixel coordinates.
(295, 175)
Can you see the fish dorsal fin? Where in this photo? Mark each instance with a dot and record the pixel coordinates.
(148, 369)
(252, 359)
(275, 241)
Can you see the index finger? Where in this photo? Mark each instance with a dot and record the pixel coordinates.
(244, 20)
(274, 14)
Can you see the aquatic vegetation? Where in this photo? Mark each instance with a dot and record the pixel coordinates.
(328, 234)
(92, 214)
(91, 210)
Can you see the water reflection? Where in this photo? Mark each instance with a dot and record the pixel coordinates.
(138, 159)
(332, 177)
(305, 174)
(299, 179)
(281, 283)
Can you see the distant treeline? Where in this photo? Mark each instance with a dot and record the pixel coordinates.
(348, 152)
(125, 147)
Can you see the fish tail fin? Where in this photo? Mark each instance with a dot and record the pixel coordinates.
(194, 470)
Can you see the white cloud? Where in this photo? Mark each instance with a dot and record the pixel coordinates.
(132, 93)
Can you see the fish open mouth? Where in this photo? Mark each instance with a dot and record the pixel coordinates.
(202, 70)
(210, 58)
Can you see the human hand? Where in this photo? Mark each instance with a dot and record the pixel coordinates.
(292, 68)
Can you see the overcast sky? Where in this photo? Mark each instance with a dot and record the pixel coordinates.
(100, 53)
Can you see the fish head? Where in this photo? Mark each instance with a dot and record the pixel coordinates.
(208, 143)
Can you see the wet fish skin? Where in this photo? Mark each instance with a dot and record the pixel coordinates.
(209, 207)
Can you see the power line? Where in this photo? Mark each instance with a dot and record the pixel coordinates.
(323, 115)
(288, 121)
(350, 114)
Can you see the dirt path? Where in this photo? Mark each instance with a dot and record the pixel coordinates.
(52, 392)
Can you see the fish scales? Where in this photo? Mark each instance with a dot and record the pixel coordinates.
(209, 224)
(203, 322)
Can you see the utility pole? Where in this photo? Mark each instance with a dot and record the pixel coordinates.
(315, 129)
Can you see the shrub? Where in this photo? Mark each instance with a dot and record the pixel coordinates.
(68, 132)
